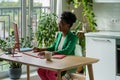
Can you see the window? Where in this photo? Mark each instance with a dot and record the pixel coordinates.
(10, 11)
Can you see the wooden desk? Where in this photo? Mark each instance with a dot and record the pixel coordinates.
(58, 65)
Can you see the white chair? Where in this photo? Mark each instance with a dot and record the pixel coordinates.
(78, 50)
(77, 75)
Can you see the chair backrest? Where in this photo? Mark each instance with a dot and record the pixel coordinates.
(78, 50)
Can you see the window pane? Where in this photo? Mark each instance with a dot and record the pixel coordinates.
(42, 3)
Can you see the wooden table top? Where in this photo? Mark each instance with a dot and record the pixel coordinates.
(66, 63)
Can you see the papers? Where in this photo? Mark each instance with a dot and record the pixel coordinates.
(31, 54)
(58, 56)
(1, 54)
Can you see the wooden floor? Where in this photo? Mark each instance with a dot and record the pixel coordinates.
(34, 76)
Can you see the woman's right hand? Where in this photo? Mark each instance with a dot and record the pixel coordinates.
(35, 49)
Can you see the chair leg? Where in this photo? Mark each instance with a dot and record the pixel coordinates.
(76, 76)
(66, 77)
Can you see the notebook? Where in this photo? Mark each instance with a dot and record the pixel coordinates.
(58, 56)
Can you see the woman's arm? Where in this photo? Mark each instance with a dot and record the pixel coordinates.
(35, 49)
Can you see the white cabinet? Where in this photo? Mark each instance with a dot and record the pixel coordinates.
(103, 49)
(117, 77)
(107, 1)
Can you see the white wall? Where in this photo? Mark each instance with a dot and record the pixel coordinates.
(107, 16)
(107, 1)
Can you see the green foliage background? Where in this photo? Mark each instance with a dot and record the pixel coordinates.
(47, 27)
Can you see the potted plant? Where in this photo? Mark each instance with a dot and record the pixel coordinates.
(47, 28)
(15, 70)
(6, 45)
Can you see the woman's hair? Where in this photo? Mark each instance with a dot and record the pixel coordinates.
(69, 17)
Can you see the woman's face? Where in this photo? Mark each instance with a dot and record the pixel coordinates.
(63, 26)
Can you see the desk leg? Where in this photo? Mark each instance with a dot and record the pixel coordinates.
(90, 71)
(59, 75)
(28, 72)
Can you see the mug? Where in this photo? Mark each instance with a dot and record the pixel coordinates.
(48, 55)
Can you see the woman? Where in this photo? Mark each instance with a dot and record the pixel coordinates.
(64, 43)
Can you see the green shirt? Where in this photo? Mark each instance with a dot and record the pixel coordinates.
(68, 45)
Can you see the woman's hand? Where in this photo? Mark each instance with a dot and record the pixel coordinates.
(53, 53)
(42, 53)
(35, 49)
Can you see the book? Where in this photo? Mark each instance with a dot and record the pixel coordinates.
(58, 56)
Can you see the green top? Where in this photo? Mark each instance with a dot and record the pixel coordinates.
(68, 45)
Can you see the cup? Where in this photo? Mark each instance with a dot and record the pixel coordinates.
(48, 55)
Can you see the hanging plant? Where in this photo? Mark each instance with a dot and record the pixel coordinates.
(87, 12)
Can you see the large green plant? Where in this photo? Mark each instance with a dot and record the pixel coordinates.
(47, 28)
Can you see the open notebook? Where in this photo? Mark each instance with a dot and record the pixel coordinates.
(58, 56)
